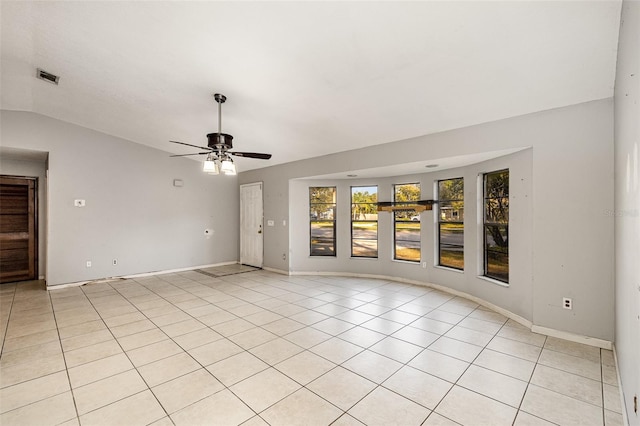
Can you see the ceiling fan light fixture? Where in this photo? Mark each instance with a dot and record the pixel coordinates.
(210, 166)
(227, 167)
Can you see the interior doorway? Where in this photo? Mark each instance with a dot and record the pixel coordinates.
(18, 228)
(251, 226)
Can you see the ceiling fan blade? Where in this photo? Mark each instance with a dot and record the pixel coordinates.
(194, 146)
(251, 155)
(186, 155)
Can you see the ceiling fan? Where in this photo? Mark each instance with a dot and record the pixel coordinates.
(218, 146)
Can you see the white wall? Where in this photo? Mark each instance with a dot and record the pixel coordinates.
(627, 205)
(571, 189)
(133, 212)
(11, 166)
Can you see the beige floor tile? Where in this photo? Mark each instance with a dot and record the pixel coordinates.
(383, 407)
(455, 348)
(333, 326)
(167, 369)
(153, 352)
(85, 340)
(103, 392)
(439, 365)
(354, 317)
(420, 387)
(276, 350)
(468, 335)
(30, 340)
(165, 421)
(98, 370)
(252, 338)
(132, 328)
(524, 336)
(609, 375)
(396, 349)
(237, 368)
(283, 326)
(138, 340)
(185, 390)
(29, 328)
(568, 384)
(436, 419)
(382, 326)
(217, 318)
(443, 316)
(84, 328)
(305, 367)
(171, 318)
(478, 409)
(215, 351)
(416, 336)
(308, 317)
(307, 337)
(222, 408)
(374, 367)
(331, 309)
(262, 318)
(197, 338)
(22, 372)
(515, 348)
(526, 419)
(92, 353)
(139, 409)
(347, 420)
(612, 398)
(51, 411)
(480, 325)
(579, 350)
(580, 366)
(25, 393)
(560, 409)
(264, 389)
(31, 354)
(506, 364)
(301, 408)
(432, 325)
(487, 315)
(341, 387)
(235, 326)
(362, 336)
(183, 327)
(494, 385)
(613, 419)
(336, 350)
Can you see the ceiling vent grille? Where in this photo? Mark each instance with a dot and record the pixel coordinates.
(47, 76)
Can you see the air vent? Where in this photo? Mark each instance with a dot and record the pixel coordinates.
(47, 76)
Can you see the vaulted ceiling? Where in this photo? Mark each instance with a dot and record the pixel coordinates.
(303, 78)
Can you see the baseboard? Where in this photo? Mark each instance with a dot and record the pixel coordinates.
(591, 341)
(143, 274)
(577, 338)
(276, 271)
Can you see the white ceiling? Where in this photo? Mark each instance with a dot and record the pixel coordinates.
(303, 79)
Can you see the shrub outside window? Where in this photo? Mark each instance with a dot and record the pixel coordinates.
(451, 223)
(406, 224)
(364, 221)
(322, 216)
(496, 225)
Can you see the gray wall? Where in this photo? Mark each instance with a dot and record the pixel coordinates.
(571, 189)
(133, 212)
(627, 206)
(11, 166)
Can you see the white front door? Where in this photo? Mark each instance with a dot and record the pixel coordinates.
(251, 229)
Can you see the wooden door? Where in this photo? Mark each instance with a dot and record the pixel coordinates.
(251, 230)
(18, 229)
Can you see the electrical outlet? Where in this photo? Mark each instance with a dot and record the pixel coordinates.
(79, 203)
(88, 264)
(284, 256)
(567, 303)
(424, 265)
(114, 262)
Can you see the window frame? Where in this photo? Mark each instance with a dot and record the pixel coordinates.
(395, 221)
(363, 221)
(318, 220)
(439, 222)
(501, 225)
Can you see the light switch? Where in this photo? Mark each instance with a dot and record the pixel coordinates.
(79, 203)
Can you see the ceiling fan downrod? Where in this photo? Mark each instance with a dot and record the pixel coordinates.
(220, 99)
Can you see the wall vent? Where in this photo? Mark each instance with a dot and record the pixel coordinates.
(47, 76)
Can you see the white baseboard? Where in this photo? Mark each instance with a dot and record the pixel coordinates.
(591, 341)
(277, 271)
(143, 274)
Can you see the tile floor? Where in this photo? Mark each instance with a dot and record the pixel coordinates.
(259, 348)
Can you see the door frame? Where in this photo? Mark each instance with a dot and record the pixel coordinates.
(261, 221)
(33, 217)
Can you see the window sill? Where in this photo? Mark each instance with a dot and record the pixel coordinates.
(491, 280)
(444, 268)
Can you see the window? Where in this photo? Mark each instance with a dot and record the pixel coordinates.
(364, 221)
(406, 224)
(451, 223)
(496, 225)
(322, 213)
